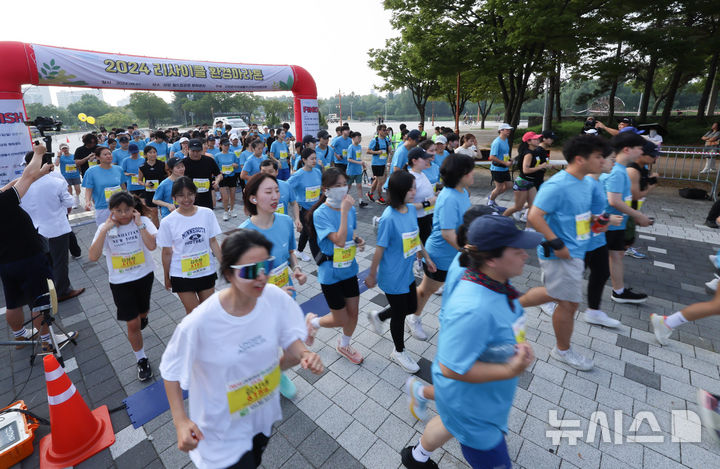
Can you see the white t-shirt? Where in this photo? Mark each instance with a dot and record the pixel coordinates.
(423, 191)
(189, 238)
(127, 256)
(212, 353)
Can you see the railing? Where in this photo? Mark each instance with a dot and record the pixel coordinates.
(685, 163)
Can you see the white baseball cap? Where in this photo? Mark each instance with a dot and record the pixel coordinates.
(441, 139)
(505, 126)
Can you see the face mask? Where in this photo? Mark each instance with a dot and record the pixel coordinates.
(335, 196)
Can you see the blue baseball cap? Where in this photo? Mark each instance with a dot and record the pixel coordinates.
(490, 232)
(132, 148)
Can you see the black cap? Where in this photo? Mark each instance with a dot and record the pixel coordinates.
(172, 162)
(323, 134)
(548, 134)
(309, 139)
(414, 134)
(224, 141)
(123, 138)
(418, 152)
(195, 144)
(211, 137)
(650, 149)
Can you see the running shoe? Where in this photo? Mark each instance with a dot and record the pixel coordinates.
(661, 330)
(287, 387)
(404, 360)
(439, 291)
(713, 260)
(61, 339)
(548, 308)
(311, 331)
(375, 321)
(517, 216)
(418, 402)
(144, 370)
(601, 319)
(712, 285)
(632, 252)
(381, 201)
(490, 202)
(226, 216)
(305, 257)
(629, 296)
(350, 353)
(370, 196)
(414, 324)
(572, 358)
(233, 214)
(375, 221)
(710, 413)
(363, 204)
(410, 463)
(143, 323)
(711, 224)
(27, 335)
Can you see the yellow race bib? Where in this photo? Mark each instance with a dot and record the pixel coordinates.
(283, 154)
(628, 201)
(162, 158)
(344, 257)
(126, 262)
(280, 275)
(70, 168)
(411, 243)
(134, 180)
(506, 157)
(280, 208)
(193, 264)
(312, 194)
(519, 329)
(383, 155)
(582, 226)
(109, 191)
(344, 153)
(152, 185)
(249, 394)
(92, 163)
(203, 185)
(227, 169)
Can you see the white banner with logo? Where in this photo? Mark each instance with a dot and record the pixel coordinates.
(14, 139)
(309, 117)
(67, 67)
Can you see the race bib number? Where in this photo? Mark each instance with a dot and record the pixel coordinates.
(227, 169)
(640, 203)
(519, 329)
(506, 157)
(312, 194)
(411, 243)
(249, 394)
(134, 180)
(203, 185)
(280, 275)
(582, 226)
(428, 210)
(70, 168)
(383, 155)
(628, 201)
(344, 257)
(109, 191)
(92, 163)
(193, 264)
(344, 153)
(142, 152)
(162, 158)
(152, 185)
(280, 208)
(283, 154)
(122, 263)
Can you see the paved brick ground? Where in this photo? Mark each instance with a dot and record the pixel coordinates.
(356, 416)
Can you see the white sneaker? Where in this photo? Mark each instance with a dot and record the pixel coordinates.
(233, 214)
(712, 284)
(523, 216)
(439, 291)
(713, 260)
(661, 330)
(517, 216)
(418, 268)
(601, 319)
(375, 321)
(548, 308)
(226, 216)
(572, 358)
(404, 360)
(375, 221)
(305, 257)
(415, 325)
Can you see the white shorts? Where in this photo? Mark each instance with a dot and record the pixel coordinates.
(563, 278)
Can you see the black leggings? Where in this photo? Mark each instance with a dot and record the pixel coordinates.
(401, 305)
(425, 227)
(599, 264)
(305, 234)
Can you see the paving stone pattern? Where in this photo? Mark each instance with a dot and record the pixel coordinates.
(356, 416)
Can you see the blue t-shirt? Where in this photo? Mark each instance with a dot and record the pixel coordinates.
(213, 151)
(500, 149)
(287, 195)
(68, 162)
(597, 239)
(567, 202)
(326, 221)
(439, 158)
(281, 152)
(306, 187)
(163, 193)
(225, 162)
(119, 156)
(454, 274)
(324, 157)
(141, 145)
(340, 146)
(450, 207)
(398, 233)
(400, 157)
(252, 165)
(432, 173)
(382, 144)
(236, 149)
(617, 181)
(131, 166)
(242, 159)
(99, 179)
(475, 318)
(282, 236)
(162, 149)
(354, 153)
(176, 146)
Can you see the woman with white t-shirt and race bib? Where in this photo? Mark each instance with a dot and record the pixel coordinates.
(130, 267)
(187, 237)
(424, 200)
(226, 355)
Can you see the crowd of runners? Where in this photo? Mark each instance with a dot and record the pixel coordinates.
(161, 190)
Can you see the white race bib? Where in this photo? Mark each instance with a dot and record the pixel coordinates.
(582, 226)
(411, 243)
(344, 257)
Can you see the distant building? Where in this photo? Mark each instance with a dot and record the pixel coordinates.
(66, 98)
(37, 94)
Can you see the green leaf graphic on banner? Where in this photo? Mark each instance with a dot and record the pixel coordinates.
(52, 61)
(53, 75)
(287, 86)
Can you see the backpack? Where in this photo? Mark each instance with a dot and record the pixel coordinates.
(693, 193)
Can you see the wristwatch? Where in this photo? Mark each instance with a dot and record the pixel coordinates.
(141, 226)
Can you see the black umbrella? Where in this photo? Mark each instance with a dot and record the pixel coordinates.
(657, 127)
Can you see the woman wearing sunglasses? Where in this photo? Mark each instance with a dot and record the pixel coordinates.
(187, 238)
(226, 355)
(333, 221)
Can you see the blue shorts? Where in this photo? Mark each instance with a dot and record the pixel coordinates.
(495, 458)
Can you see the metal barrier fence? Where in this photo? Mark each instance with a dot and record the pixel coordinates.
(684, 163)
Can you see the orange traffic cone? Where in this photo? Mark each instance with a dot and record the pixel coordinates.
(76, 433)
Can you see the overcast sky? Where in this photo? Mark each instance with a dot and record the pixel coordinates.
(330, 38)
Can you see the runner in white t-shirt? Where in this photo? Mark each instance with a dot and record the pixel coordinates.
(187, 238)
(226, 355)
(126, 239)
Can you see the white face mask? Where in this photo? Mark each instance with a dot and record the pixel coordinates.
(335, 196)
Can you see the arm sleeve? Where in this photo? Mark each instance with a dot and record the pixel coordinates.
(9, 198)
(87, 180)
(66, 199)
(323, 226)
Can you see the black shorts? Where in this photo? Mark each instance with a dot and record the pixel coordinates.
(148, 197)
(500, 176)
(229, 181)
(139, 192)
(378, 171)
(253, 457)
(25, 280)
(336, 293)
(182, 285)
(438, 275)
(616, 240)
(132, 298)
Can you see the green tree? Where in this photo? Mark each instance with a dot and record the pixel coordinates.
(118, 117)
(150, 107)
(91, 105)
(275, 112)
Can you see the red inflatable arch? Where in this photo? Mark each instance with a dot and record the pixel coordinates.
(56, 66)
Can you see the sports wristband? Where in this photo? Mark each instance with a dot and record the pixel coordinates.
(556, 244)
(652, 181)
(425, 204)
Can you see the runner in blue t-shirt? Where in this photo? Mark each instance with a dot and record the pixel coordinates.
(227, 162)
(161, 146)
(163, 194)
(100, 183)
(280, 152)
(399, 159)
(380, 148)
(306, 184)
(500, 163)
(340, 145)
(69, 169)
(356, 166)
(252, 163)
(130, 168)
(440, 152)
(121, 153)
(323, 150)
